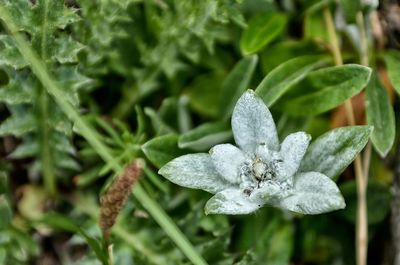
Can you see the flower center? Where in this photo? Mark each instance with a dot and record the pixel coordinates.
(259, 169)
(257, 173)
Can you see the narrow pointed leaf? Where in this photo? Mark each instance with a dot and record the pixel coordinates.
(5, 212)
(205, 136)
(333, 151)
(236, 83)
(380, 114)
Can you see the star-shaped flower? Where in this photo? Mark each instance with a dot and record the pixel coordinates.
(259, 171)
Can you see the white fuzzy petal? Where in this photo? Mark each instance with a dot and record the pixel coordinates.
(227, 160)
(194, 171)
(253, 125)
(292, 152)
(231, 201)
(313, 193)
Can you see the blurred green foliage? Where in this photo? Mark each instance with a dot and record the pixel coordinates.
(158, 79)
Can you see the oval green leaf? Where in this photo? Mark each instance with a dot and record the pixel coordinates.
(162, 149)
(279, 80)
(380, 114)
(261, 30)
(325, 89)
(333, 151)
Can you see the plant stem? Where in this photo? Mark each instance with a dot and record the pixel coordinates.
(364, 60)
(43, 109)
(85, 129)
(362, 224)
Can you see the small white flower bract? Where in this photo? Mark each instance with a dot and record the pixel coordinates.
(259, 171)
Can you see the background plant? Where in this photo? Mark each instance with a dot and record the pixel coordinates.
(158, 79)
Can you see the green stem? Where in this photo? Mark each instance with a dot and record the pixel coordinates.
(44, 129)
(90, 135)
(45, 149)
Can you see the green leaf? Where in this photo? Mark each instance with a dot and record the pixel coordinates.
(60, 222)
(286, 50)
(35, 117)
(350, 10)
(19, 88)
(236, 83)
(279, 80)
(261, 30)
(162, 149)
(333, 151)
(17, 126)
(392, 61)
(202, 94)
(159, 125)
(9, 54)
(325, 89)
(205, 136)
(378, 201)
(380, 115)
(5, 212)
(314, 27)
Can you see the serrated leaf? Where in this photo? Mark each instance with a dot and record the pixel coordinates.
(18, 126)
(332, 152)
(162, 149)
(9, 54)
(19, 88)
(380, 115)
(279, 80)
(25, 149)
(392, 61)
(68, 49)
(236, 83)
(325, 89)
(261, 30)
(205, 136)
(35, 117)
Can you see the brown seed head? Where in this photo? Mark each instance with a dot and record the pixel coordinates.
(115, 197)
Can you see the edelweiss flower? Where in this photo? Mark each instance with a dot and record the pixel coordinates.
(261, 171)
